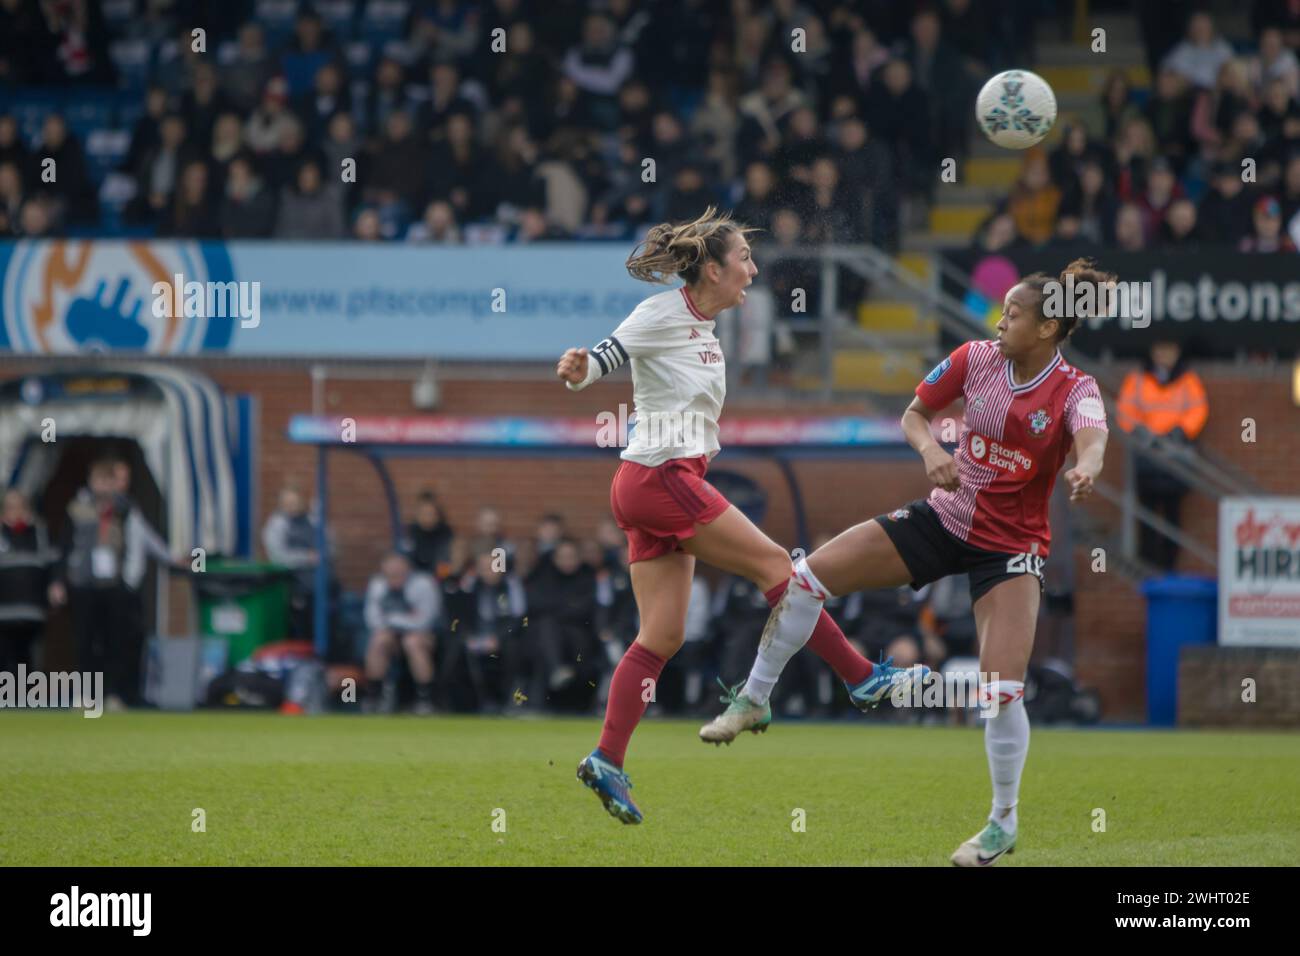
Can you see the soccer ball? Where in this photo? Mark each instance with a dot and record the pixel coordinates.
(1016, 109)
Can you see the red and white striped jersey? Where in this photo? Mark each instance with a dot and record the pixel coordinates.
(1013, 441)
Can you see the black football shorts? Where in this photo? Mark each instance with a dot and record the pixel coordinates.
(931, 552)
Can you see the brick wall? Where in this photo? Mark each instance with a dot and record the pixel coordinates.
(1110, 615)
(1211, 687)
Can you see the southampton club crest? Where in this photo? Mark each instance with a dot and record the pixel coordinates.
(1038, 422)
(899, 515)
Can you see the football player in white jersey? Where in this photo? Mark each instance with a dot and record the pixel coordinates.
(659, 497)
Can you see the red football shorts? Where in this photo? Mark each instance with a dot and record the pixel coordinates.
(659, 507)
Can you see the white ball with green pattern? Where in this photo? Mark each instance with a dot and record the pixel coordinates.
(1016, 109)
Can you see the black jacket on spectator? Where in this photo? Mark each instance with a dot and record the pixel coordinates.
(618, 616)
(429, 547)
(249, 218)
(1224, 220)
(402, 167)
(25, 558)
(567, 599)
(72, 186)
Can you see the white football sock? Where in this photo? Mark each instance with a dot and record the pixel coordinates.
(1006, 741)
(789, 627)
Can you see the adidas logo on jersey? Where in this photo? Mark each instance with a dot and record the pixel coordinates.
(695, 334)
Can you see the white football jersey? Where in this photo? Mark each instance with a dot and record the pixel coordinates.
(679, 378)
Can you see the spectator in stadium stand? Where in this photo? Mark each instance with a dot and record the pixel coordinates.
(281, 165)
(681, 687)
(387, 95)
(366, 225)
(264, 129)
(625, 199)
(946, 623)
(310, 208)
(1162, 190)
(245, 77)
(448, 96)
(491, 629)
(598, 67)
(1169, 111)
(856, 69)
(328, 97)
(1274, 62)
(429, 537)
(518, 186)
(866, 169)
(193, 213)
(1130, 233)
(1180, 230)
(1201, 53)
(939, 72)
(688, 194)
(159, 170)
(1067, 239)
(611, 540)
(838, 215)
(758, 204)
(12, 148)
(289, 537)
(488, 535)
(786, 275)
(146, 132)
(1279, 122)
(80, 42)
(801, 144)
(437, 227)
(1034, 200)
(247, 210)
(309, 48)
(1216, 111)
(1092, 202)
(892, 106)
(11, 198)
(227, 143)
(25, 557)
(1225, 211)
(534, 227)
(714, 124)
(1277, 13)
(342, 142)
(997, 234)
(1135, 147)
(71, 189)
(1116, 104)
(617, 618)
(1167, 398)
(201, 106)
(104, 548)
(1076, 150)
(1267, 234)
(763, 110)
(562, 608)
(523, 76)
(550, 532)
(401, 608)
(36, 218)
(891, 624)
(739, 612)
(462, 172)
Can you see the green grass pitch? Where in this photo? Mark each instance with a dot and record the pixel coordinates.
(346, 790)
